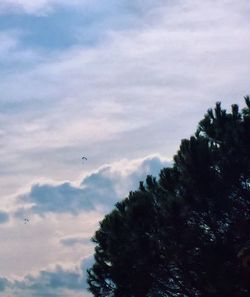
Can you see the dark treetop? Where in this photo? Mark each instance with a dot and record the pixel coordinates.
(186, 233)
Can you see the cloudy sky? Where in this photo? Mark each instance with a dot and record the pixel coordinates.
(118, 81)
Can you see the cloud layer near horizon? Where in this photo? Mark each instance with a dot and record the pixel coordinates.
(59, 281)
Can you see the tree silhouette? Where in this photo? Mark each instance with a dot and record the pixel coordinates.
(187, 233)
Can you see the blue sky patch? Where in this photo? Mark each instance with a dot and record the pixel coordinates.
(63, 28)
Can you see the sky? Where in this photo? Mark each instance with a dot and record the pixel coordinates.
(120, 82)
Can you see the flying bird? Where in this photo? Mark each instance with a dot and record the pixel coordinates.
(84, 158)
(26, 220)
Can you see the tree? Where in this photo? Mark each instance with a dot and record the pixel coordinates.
(186, 233)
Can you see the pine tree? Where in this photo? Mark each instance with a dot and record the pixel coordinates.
(186, 233)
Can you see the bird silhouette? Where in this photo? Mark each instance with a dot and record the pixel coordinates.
(84, 158)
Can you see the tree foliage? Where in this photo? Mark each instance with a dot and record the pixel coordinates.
(186, 233)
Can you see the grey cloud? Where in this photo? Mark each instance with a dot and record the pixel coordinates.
(67, 198)
(4, 217)
(102, 188)
(61, 198)
(3, 284)
(54, 280)
(50, 283)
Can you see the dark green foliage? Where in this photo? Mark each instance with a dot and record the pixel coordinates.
(186, 234)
